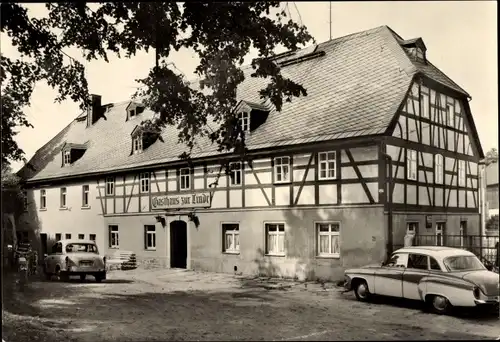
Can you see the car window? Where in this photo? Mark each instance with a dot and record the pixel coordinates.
(434, 264)
(56, 248)
(397, 260)
(417, 261)
(463, 263)
(81, 248)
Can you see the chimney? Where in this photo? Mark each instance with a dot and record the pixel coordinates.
(94, 111)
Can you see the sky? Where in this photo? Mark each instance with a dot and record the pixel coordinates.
(461, 40)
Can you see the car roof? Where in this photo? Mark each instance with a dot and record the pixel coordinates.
(434, 251)
(68, 241)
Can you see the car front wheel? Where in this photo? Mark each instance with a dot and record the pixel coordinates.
(361, 291)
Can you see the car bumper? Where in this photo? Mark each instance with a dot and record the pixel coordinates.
(73, 270)
(493, 301)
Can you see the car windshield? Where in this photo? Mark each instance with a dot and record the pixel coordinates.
(81, 248)
(463, 263)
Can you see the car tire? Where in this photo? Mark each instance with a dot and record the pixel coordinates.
(82, 277)
(98, 279)
(361, 291)
(48, 276)
(60, 275)
(438, 304)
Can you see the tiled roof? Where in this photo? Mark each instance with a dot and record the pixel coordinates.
(354, 89)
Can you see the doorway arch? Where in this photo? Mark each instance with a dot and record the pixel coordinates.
(178, 244)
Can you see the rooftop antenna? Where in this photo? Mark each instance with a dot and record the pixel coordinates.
(330, 20)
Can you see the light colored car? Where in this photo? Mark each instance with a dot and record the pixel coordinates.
(75, 258)
(440, 276)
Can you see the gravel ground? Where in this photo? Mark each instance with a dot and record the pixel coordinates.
(159, 305)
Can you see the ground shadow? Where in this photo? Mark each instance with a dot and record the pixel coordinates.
(472, 314)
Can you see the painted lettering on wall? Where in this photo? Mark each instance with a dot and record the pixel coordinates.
(198, 200)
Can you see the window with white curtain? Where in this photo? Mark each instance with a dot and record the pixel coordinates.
(328, 239)
(231, 235)
(275, 238)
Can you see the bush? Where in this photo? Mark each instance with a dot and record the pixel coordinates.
(492, 223)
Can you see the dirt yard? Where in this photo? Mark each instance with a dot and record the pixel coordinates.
(154, 305)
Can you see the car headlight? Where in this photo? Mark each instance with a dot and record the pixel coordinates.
(477, 292)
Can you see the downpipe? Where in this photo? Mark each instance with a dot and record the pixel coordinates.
(388, 201)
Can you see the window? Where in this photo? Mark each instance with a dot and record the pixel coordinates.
(67, 158)
(451, 115)
(438, 169)
(67, 236)
(185, 179)
(281, 169)
(110, 186)
(328, 239)
(397, 260)
(63, 197)
(463, 232)
(424, 100)
(411, 228)
(144, 176)
(235, 173)
(92, 237)
(85, 196)
(113, 237)
(275, 241)
(417, 261)
(440, 229)
(326, 165)
(150, 237)
(434, 264)
(25, 200)
(420, 54)
(231, 235)
(411, 165)
(461, 173)
(81, 236)
(43, 199)
(137, 143)
(244, 121)
(58, 236)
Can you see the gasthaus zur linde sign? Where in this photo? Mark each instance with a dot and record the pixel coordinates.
(181, 201)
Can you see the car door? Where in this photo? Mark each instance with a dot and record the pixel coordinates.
(418, 267)
(389, 278)
(53, 257)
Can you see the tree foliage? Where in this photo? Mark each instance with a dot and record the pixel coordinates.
(12, 194)
(492, 223)
(220, 33)
(491, 156)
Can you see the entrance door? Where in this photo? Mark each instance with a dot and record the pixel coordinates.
(178, 244)
(43, 243)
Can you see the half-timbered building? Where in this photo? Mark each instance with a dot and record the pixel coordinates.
(384, 144)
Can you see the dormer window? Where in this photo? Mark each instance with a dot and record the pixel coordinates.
(134, 109)
(244, 121)
(251, 115)
(67, 157)
(137, 143)
(142, 138)
(72, 152)
(416, 49)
